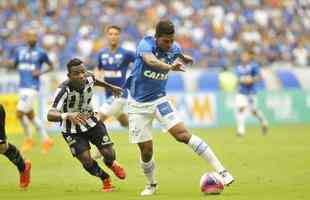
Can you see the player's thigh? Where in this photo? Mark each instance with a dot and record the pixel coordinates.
(252, 100)
(77, 143)
(241, 101)
(99, 136)
(167, 115)
(140, 127)
(27, 99)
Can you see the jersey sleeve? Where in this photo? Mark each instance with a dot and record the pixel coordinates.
(177, 50)
(256, 70)
(59, 98)
(45, 58)
(99, 63)
(131, 56)
(144, 47)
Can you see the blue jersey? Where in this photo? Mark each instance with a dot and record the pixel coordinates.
(252, 69)
(28, 59)
(148, 83)
(115, 66)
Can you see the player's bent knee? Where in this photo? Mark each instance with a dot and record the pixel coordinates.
(241, 109)
(183, 137)
(3, 148)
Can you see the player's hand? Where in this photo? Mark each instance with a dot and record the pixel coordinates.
(77, 118)
(116, 91)
(36, 73)
(247, 80)
(177, 66)
(188, 60)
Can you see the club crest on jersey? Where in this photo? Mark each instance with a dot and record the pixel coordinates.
(155, 75)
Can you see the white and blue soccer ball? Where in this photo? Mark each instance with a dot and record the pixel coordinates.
(211, 183)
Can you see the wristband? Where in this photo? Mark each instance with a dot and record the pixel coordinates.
(63, 116)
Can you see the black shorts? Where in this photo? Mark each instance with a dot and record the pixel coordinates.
(79, 142)
(2, 125)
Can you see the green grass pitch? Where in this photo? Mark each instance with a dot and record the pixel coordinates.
(275, 167)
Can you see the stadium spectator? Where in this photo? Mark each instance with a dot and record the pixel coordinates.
(199, 22)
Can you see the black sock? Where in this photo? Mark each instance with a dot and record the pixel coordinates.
(15, 157)
(95, 170)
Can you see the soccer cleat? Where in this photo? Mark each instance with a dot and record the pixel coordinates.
(149, 189)
(27, 145)
(264, 129)
(107, 185)
(227, 177)
(24, 178)
(47, 145)
(118, 170)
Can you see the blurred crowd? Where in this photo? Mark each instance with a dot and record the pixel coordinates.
(214, 32)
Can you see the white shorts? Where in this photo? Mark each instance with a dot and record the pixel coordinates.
(141, 116)
(114, 107)
(246, 101)
(27, 99)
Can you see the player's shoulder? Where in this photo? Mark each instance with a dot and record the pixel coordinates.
(21, 48)
(148, 39)
(64, 85)
(103, 50)
(175, 47)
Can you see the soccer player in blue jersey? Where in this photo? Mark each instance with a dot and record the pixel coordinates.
(248, 73)
(29, 60)
(113, 63)
(155, 57)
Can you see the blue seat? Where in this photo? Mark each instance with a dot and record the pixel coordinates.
(208, 81)
(287, 79)
(175, 83)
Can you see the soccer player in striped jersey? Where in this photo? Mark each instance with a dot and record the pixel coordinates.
(73, 109)
(13, 154)
(155, 58)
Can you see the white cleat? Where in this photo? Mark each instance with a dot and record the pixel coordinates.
(149, 189)
(227, 177)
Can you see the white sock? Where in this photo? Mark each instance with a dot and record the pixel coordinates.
(148, 169)
(204, 150)
(241, 122)
(26, 126)
(40, 128)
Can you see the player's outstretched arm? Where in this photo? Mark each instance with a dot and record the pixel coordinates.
(186, 59)
(37, 73)
(54, 115)
(116, 91)
(151, 60)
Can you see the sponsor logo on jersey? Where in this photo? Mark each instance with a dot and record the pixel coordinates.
(155, 75)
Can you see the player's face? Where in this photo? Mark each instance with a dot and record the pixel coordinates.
(245, 58)
(165, 42)
(113, 36)
(31, 38)
(77, 76)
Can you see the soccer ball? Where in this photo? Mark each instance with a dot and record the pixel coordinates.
(211, 183)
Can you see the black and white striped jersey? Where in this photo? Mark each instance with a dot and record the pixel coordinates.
(67, 99)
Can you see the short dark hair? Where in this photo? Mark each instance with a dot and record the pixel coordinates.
(113, 27)
(164, 27)
(73, 62)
